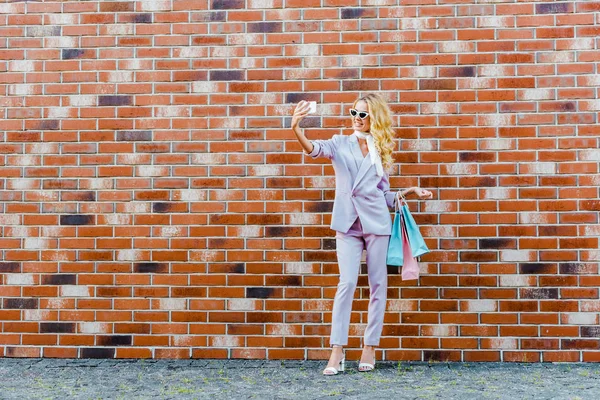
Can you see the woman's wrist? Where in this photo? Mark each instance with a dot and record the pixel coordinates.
(408, 191)
(297, 131)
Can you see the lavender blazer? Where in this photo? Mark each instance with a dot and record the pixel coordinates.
(359, 192)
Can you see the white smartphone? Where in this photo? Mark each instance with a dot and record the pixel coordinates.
(312, 107)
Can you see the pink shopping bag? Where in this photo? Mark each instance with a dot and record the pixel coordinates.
(410, 268)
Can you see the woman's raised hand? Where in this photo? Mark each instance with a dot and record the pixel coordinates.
(300, 112)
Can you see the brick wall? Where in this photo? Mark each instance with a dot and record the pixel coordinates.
(155, 203)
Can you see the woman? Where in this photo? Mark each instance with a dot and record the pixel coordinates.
(361, 216)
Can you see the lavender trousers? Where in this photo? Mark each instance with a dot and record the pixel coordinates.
(349, 251)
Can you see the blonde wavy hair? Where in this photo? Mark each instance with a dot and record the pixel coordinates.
(381, 127)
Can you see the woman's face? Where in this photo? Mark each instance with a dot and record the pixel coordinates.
(362, 125)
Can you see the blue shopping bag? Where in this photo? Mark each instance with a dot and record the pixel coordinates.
(417, 243)
(404, 220)
(395, 255)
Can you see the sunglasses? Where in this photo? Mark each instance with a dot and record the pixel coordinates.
(361, 114)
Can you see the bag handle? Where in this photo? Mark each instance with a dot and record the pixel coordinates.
(398, 197)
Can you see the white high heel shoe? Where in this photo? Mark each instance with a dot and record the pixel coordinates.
(366, 367)
(333, 370)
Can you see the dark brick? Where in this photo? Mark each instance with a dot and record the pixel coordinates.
(320, 207)
(78, 196)
(97, 353)
(539, 293)
(145, 18)
(477, 156)
(10, 267)
(57, 327)
(457, 72)
(590, 331)
(150, 267)
(567, 106)
(535, 268)
(497, 244)
(69, 54)
(288, 231)
(134, 136)
(286, 280)
(360, 85)
(551, 8)
(486, 181)
(232, 268)
(400, 330)
(227, 75)
(116, 340)
(551, 230)
(49, 125)
(161, 207)
(579, 344)
(10, 351)
(216, 16)
(227, 4)
(571, 268)
(265, 27)
(480, 256)
(438, 355)
(114, 101)
(320, 256)
(364, 270)
(307, 122)
(347, 73)
(351, 13)
(238, 268)
(393, 270)
(259, 292)
(59, 279)
(76, 219)
(289, 182)
(297, 97)
(23, 304)
(437, 84)
(237, 110)
(328, 244)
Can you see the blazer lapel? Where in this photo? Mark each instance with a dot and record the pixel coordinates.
(364, 168)
(355, 149)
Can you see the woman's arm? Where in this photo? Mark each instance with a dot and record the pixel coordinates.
(422, 193)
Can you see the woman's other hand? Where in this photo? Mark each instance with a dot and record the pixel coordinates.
(423, 194)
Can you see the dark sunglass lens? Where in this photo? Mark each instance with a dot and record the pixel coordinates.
(362, 115)
(353, 112)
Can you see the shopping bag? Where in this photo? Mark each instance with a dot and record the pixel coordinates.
(410, 268)
(417, 243)
(406, 242)
(395, 254)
